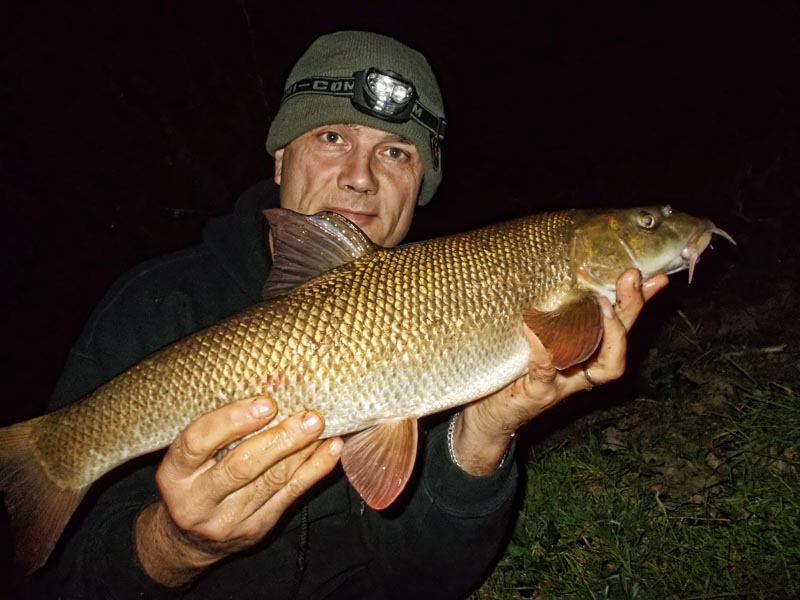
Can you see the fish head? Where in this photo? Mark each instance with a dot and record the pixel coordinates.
(653, 239)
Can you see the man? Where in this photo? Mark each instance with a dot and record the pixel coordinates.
(273, 518)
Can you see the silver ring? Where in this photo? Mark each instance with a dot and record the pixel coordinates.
(589, 378)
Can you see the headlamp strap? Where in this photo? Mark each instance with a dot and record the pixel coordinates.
(345, 87)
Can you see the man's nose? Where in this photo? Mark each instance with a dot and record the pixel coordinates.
(356, 174)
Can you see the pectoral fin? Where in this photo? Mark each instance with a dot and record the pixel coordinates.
(572, 332)
(378, 461)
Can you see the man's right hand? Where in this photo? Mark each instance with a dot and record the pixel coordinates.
(209, 508)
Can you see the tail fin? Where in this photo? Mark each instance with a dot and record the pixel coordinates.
(38, 507)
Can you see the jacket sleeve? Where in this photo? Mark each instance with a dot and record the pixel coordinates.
(450, 531)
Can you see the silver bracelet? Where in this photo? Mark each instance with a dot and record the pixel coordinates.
(451, 427)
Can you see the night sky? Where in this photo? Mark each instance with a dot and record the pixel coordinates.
(126, 125)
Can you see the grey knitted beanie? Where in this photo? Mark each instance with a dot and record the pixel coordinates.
(341, 54)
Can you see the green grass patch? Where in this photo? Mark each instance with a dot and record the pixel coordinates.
(692, 495)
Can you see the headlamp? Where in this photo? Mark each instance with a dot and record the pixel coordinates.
(383, 94)
(380, 93)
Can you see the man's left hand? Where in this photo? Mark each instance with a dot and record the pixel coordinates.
(484, 428)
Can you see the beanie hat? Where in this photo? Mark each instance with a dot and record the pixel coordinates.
(340, 55)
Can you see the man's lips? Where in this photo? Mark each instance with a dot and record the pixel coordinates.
(359, 218)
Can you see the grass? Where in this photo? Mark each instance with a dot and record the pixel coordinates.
(692, 495)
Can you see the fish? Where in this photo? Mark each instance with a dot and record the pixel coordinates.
(373, 338)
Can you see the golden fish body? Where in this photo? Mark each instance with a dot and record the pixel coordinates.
(406, 331)
(391, 334)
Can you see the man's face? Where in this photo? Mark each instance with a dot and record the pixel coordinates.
(366, 175)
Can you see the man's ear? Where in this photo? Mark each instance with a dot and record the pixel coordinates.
(278, 165)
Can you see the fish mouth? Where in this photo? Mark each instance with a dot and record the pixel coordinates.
(690, 255)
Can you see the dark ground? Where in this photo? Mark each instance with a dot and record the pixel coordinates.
(126, 125)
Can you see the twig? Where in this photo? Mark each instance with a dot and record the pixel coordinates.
(765, 350)
(659, 503)
(694, 328)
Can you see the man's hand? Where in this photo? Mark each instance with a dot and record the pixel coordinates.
(212, 508)
(483, 430)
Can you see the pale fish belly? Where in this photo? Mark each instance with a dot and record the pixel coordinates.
(479, 364)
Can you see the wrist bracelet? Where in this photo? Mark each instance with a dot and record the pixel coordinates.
(451, 427)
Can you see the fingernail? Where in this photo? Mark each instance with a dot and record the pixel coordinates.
(311, 422)
(649, 283)
(336, 447)
(262, 408)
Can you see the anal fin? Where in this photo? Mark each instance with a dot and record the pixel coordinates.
(378, 461)
(572, 332)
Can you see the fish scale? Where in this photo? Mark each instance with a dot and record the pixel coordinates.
(391, 334)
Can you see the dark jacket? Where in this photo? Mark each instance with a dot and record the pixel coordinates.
(437, 541)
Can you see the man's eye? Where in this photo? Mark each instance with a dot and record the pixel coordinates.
(331, 137)
(396, 153)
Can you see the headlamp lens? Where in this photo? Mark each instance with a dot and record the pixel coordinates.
(400, 94)
(387, 95)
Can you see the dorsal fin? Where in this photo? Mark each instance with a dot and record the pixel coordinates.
(304, 246)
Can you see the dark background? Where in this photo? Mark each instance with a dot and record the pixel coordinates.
(126, 125)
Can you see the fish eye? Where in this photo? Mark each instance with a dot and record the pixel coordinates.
(648, 220)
